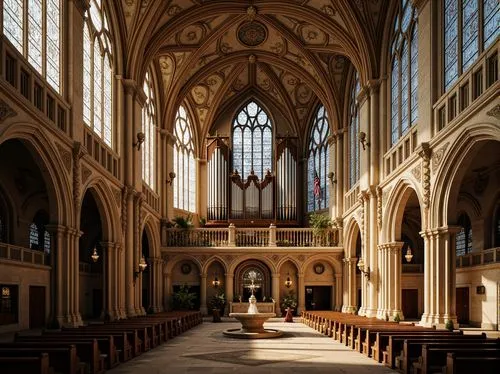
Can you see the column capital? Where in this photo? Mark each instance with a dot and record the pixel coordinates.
(56, 229)
(275, 275)
(227, 275)
(332, 139)
(129, 85)
(81, 5)
(373, 86)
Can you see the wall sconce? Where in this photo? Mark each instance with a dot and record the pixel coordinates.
(95, 255)
(216, 281)
(361, 267)
(142, 266)
(331, 176)
(140, 139)
(172, 177)
(288, 282)
(362, 140)
(408, 255)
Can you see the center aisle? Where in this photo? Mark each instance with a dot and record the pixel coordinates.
(204, 349)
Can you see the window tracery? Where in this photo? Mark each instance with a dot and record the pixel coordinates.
(463, 239)
(353, 133)
(34, 28)
(184, 163)
(149, 129)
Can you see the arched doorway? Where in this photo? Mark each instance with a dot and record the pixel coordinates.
(242, 276)
(289, 291)
(147, 274)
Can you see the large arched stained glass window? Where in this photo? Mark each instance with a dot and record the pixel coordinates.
(97, 72)
(470, 26)
(252, 141)
(353, 134)
(318, 194)
(34, 28)
(34, 236)
(184, 163)
(404, 71)
(149, 129)
(463, 239)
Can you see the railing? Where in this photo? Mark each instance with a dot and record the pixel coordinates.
(488, 256)
(151, 197)
(101, 153)
(351, 197)
(29, 256)
(400, 151)
(250, 237)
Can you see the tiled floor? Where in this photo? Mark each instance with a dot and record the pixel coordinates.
(205, 350)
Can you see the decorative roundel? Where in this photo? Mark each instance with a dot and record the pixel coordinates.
(186, 268)
(252, 34)
(319, 268)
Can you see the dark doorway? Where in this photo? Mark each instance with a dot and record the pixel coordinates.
(147, 275)
(318, 297)
(358, 300)
(37, 306)
(463, 305)
(97, 302)
(410, 303)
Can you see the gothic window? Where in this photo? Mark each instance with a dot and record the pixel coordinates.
(46, 242)
(149, 129)
(34, 28)
(184, 164)
(318, 193)
(464, 236)
(353, 134)
(33, 236)
(97, 72)
(470, 26)
(252, 141)
(404, 74)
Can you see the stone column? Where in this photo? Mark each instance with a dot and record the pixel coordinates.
(129, 252)
(276, 291)
(203, 294)
(382, 305)
(341, 183)
(395, 279)
(74, 270)
(338, 292)
(350, 268)
(371, 221)
(363, 197)
(57, 274)
(170, 167)
(229, 290)
(302, 293)
(168, 290)
(122, 308)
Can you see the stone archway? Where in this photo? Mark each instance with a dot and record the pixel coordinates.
(352, 297)
(240, 280)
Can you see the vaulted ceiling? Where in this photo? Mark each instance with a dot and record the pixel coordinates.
(209, 53)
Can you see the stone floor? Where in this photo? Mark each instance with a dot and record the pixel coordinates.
(205, 350)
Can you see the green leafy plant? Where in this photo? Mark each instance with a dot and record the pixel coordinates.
(289, 301)
(202, 221)
(218, 301)
(397, 318)
(320, 224)
(184, 299)
(180, 222)
(449, 325)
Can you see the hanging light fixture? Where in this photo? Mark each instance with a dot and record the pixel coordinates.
(408, 254)
(95, 255)
(288, 282)
(216, 281)
(142, 264)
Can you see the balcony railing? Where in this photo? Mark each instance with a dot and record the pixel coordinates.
(488, 256)
(29, 256)
(250, 237)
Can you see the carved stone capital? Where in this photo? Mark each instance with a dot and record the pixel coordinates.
(494, 112)
(6, 111)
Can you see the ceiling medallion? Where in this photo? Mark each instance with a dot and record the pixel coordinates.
(252, 34)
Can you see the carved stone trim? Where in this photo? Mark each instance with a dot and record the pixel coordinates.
(65, 156)
(417, 172)
(379, 207)
(437, 157)
(86, 173)
(6, 111)
(494, 112)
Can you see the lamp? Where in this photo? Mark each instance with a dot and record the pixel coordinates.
(408, 254)
(288, 282)
(95, 255)
(172, 177)
(361, 267)
(362, 140)
(216, 281)
(142, 266)
(140, 139)
(331, 176)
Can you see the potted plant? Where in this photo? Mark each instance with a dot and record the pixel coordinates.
(218, 303)
(320, 224)
(289, 301)
(183, 299)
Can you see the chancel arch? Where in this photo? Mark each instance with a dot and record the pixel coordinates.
(242, 280)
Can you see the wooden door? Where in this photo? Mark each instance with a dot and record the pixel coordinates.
(463, 305)
(37, 306)
(410, 303)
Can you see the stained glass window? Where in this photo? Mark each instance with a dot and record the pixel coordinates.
(466, 20)
(318, 162)
(149, 129)
(463, 239)
(46, 242)
(184, 163)
(404, 74)
(252, 141)
(353, 133)
(98, 73)
(33, 236)
(34, 28)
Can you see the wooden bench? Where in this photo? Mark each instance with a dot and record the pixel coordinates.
(435, 358)
(87, 351)
(137, 336)
(466, 364)
(62, 360)
(32, 365)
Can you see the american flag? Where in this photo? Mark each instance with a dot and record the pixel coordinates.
(317, 186)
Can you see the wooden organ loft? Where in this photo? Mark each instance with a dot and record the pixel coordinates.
(247, 200)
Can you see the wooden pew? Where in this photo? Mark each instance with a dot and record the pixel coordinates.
(466, 364)
(436, 357)
(62, 360)
(140, 342)
(87, 351)
(32, 365)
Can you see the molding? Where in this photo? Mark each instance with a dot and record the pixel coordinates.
(494, 112)
(6, 111)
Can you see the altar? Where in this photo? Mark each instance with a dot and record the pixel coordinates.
(236, 307)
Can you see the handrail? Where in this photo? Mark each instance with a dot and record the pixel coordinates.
(478, 258)
(21, 254)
